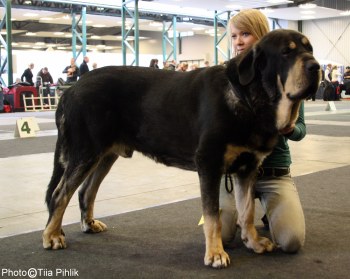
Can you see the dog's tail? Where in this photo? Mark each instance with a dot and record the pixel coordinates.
(58, 168)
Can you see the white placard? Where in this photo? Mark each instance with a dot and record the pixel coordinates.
(331, 106)
(26, 127)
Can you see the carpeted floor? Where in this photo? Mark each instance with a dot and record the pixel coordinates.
(165, 242)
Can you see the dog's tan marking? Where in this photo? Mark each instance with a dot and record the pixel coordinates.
(232, 152)
(305, 41)
(292, 45)
(285, 105)
(296, 80)
(245, 204)
(215, 255)
(295, 113)
(52, 236)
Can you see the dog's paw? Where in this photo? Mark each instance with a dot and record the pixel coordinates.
(94, 226)
(54, 242)
(217, 260)
(261, 245)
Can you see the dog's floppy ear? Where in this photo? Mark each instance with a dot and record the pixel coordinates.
(247, 65)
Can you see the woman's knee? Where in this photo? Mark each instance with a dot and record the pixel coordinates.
(290, 241)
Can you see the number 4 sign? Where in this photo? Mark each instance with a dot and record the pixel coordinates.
(26, 127)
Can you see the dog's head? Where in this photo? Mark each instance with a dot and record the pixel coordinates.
(283, 62)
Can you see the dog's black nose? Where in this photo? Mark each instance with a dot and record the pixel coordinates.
(312, 66)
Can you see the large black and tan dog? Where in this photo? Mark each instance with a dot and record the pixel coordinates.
(215, 120)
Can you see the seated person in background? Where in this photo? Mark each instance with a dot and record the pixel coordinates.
(72, 71)
(346, 75)
(346, 80)
(44, 80)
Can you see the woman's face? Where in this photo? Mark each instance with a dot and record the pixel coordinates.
(241, 40)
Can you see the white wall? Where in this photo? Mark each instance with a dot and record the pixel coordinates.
(330, 39)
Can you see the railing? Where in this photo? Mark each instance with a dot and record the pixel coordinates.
(40, 103)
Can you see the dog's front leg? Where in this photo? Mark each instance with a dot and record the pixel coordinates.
(244, 195)
(215, 255)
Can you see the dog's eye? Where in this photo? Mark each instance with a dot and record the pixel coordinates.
(309, 48)
(286, 51)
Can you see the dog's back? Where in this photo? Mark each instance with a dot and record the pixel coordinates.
(139, 108)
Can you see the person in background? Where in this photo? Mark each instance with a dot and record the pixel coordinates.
(346, 80)
(27, 75)
(194, 67)
(45, 80)
(183, 67)
(72, 71)
(94, 65)
(84, 68)
(327, 73)
(346, 76)
(274, 187)
(206, 64)
(154, 63)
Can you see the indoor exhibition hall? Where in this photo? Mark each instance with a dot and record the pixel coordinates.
(174, 139)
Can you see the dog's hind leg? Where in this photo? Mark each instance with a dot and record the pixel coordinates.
(53, 236)
(88, 191)
(244, 195)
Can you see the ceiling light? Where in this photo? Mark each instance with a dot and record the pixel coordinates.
(155, 24)
(198, 28)
(234, 7)
(210, 31)
(345, 13)
(46, 18)
(307, 17)
(99, 25)
(58, 33)
(30, 15)
(278, 1)
(95, 37)
(267, 10)
(40, 43)
(30, 34)
(307, 12)
(307, 6)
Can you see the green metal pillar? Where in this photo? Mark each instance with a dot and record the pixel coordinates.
(166, 41)
(74, 36)
(78, 36)
(6, 65)
(84, 39)
(217, 40)
(125, 33)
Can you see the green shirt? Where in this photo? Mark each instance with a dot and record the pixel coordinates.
(280, 156)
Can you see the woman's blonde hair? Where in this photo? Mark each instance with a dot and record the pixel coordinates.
(252, 21)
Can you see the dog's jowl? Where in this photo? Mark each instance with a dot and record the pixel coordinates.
(211, 120)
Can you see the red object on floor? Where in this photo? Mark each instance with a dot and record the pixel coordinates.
(14, 96)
